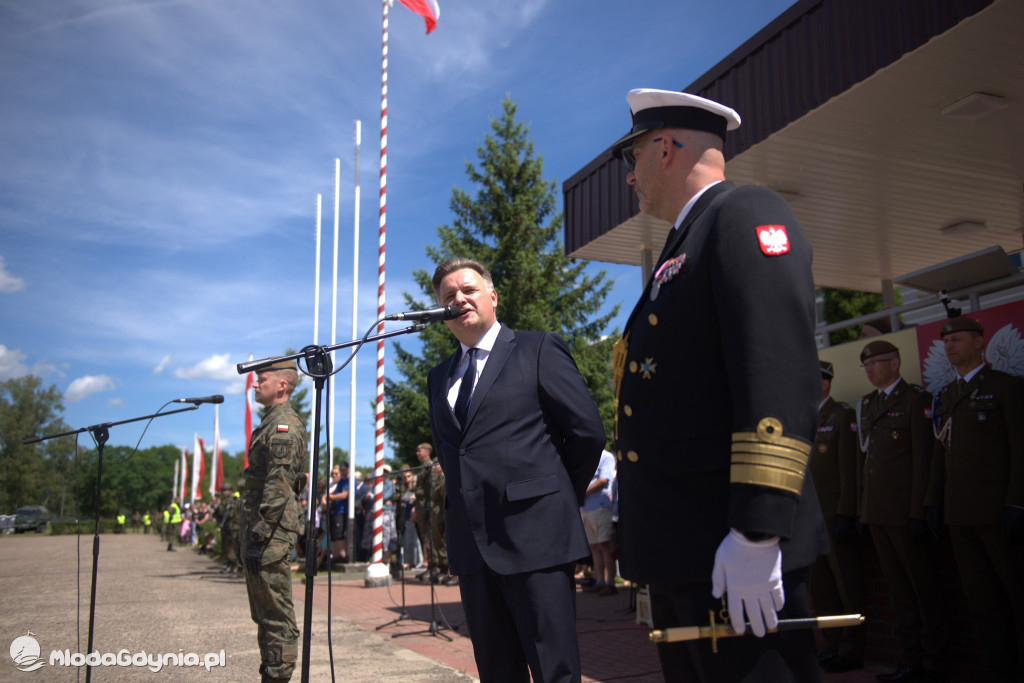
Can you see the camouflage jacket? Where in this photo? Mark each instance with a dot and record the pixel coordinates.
(277, 457)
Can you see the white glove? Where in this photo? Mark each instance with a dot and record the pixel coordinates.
(751, 573)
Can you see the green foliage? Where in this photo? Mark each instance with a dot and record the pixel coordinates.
(34, 474)
(846, 304)
(511, 225)
(141, 481)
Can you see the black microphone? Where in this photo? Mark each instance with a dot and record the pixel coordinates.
(202, 399)
(439, 313)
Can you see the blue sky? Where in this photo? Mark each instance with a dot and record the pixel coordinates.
(161, 162)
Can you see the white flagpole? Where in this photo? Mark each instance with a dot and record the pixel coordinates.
(334, 312)
(316, 328)
(184, 474)
(197, 454)
(355, 314)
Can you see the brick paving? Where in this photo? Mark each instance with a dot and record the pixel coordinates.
(613, 647)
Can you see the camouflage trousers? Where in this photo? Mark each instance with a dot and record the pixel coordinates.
(270, 603)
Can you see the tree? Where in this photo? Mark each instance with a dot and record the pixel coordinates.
(34, 474)
(846, 304)
(510, 225)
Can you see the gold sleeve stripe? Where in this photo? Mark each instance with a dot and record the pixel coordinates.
(767, 458)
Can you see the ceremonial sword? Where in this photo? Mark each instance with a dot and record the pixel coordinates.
(721, 629)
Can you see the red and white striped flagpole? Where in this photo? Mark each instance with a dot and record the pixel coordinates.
(378, 466)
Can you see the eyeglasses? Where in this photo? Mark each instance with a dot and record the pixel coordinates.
(874, 363)
(628, 156)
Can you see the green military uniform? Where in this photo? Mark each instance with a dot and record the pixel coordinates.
(228, 543)
(837, 583)
(277, 456)
(977, 478)
(430, 499)
(173, 525)
(896, 434)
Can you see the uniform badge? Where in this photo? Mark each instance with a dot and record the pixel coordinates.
(666, 271)
(648, 368)
(773, 239)
(282, 428)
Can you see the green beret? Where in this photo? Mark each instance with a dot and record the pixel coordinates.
(877, 348)
(826, 369)
(961, 323)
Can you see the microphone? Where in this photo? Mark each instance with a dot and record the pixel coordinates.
(202, 399)
(439, 313)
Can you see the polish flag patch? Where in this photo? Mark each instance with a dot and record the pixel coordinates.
(282, 428)
(773, 239)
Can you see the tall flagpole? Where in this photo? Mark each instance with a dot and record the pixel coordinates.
(355, 310)
(316, 321)
(378, 465)
(334, 316)
(215, 457)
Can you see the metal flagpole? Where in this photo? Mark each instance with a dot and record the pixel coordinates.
(378, 467)
(174, 491)
(334, 313)
(355, 310)
(215, 457)
(316, 321)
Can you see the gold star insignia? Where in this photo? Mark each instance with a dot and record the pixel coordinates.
(648, 368)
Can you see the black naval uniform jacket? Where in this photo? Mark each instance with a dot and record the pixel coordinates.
(978, 467)
(896, 468)
(725, 347)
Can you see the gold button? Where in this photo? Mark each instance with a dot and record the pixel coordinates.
(618, 454)
(633, 366)
(628, 411)
(652, 319)
(633, 457)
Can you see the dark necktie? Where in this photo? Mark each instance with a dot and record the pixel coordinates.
(466, 389)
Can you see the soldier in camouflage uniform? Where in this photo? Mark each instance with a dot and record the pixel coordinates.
(224, 514)
(277, 454)
(429, 514)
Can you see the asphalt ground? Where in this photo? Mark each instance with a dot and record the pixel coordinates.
(167, 603)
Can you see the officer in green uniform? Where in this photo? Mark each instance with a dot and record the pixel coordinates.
(277, 456)
(895, 432)
(429, 514)
(977, 480)
(224, 512)
(837, 582)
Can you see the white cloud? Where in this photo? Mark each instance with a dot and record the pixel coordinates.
(9, 283)
(90, 384)
(162, 365)
(216, 366)
(12, 363)
(115, 402)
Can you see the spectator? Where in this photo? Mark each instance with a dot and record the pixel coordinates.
(597, 522)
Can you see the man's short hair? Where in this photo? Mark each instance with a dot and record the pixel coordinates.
(426, 446)
(459, 263)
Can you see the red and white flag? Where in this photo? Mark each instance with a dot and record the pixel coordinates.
(428, 9)
(216, 464)
(184, 475)
(248, 412)
(198, 468)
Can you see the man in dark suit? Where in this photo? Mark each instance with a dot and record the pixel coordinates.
(837, 582)
(519, 438)
(977, 479)
(718, 384)
(895, 431)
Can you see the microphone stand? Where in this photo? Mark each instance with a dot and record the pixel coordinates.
(433, 629)
(400, 528)
(100, 432)
(319, 367)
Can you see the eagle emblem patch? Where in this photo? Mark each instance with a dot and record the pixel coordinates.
(773, 239)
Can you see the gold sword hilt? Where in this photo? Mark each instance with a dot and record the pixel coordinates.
(716, 629)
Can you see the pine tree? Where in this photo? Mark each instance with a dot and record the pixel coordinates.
(511, 226)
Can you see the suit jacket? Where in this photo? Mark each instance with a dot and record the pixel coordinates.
(978, 467)
(517, 471)
(896, 467)
(835, 460)
(722, 342)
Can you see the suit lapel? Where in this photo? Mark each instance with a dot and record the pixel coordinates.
(445, 384)
(496, 359)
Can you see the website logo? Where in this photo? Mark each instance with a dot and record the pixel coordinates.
(25, 653)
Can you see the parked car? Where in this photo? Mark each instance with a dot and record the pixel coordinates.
(31, 518)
